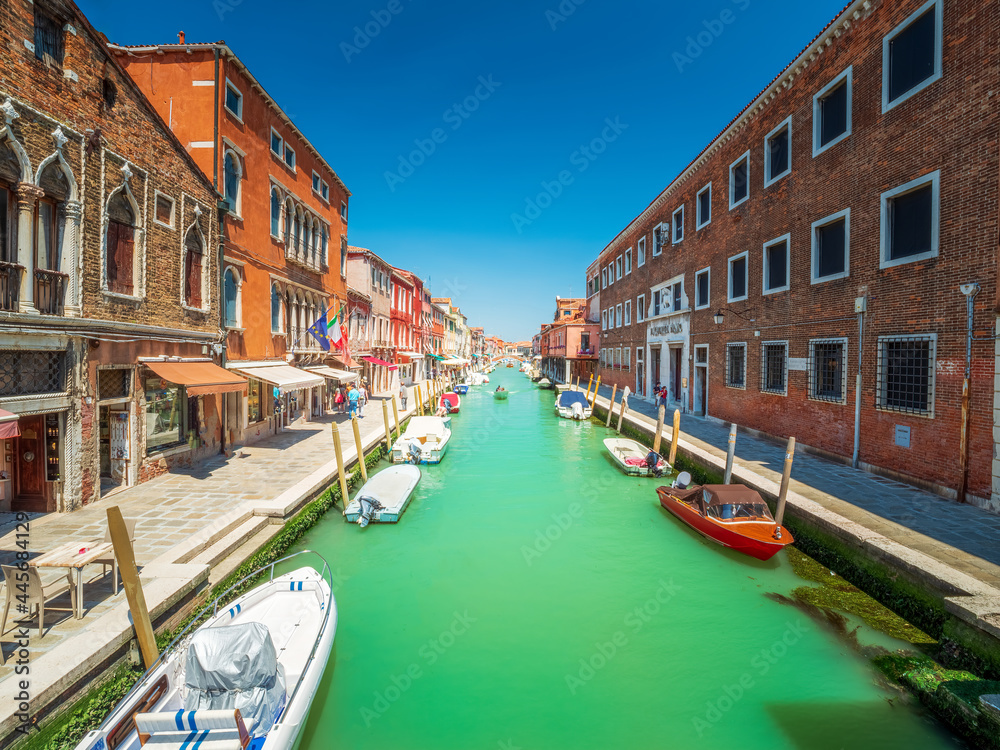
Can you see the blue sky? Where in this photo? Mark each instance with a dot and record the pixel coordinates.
(447, 120)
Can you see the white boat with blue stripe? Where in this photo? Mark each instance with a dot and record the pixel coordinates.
(242, 680)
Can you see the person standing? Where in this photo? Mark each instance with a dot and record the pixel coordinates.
(354, 397)
(402, 396)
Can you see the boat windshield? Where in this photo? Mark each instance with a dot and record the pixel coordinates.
(740, 512)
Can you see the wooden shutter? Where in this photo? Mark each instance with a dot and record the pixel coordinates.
(112, 254)
(192, 278)
(120, 258)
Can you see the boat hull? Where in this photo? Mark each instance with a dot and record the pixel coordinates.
(501, 395)
(620, 449)
(461, 390)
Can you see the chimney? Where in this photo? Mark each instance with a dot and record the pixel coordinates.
(180, 38)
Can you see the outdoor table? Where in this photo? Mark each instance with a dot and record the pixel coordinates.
(69, 556)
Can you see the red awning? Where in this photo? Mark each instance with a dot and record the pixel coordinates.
(345, 359)
(377, 361)
(199, 378)
(8, 425)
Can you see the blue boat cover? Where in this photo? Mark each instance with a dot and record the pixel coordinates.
(568, 398)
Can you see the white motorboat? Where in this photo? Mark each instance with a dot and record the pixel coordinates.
(573, 405)
(384, 497)
(247, 675)
(545, 383)
(424, 441)
(635, 459)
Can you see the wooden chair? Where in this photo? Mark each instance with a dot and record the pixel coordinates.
(35, 592)
(110, 560)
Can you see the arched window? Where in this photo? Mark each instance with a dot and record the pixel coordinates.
(315, 244)
(232, 174)
(193, 259)
(297, 240)
(275, 213)
(306, 239)
(325, 242)
(57, 190)
(231, 290)
(275, 309)
(120, 244)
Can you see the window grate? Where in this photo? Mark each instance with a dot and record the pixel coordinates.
(736, 365)
(774, 368)
(906, 374)
(114, 383)
(32, 373)
(827, 370)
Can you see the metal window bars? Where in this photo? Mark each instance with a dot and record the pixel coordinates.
(26, 373)
(773, 371)
(827, 371)
(736, 365)
(906, 374)
(114, 383)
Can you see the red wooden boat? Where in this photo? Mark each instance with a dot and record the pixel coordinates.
(732, 515)
(451, 401)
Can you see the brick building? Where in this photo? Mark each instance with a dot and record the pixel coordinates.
(833, 223)
(109, 260)
(372, 276)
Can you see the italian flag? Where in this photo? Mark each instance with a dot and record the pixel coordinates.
(338, 332)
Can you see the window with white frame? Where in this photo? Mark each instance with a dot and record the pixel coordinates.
(702, 287)
(640, 252)
(678, 222)
(736, 365)
(828, 370)
(343, 210)
(739, 180)
(910, 221)
(658, 232)
(324, 190)
(618, 268)
(275, 212)
(618, 315)
(778, 152)
(232, 169)
(164, 215)
(626, 358)
(618, 357)
(628, 261)
(277, 143)
(317, 182)
(737, 284)
(611, 273)
(604, 278)
(906, 373)
(290, 157)
(640, 309)
(234, 100)
(628, 312)
(604, 320)
(777, 264)
(703, 207)
(831, 247)
(911, 55)
(774, 367)
(668, 298)
(832, 112)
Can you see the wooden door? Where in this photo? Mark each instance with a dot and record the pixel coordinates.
(31, 492)
(675, 355)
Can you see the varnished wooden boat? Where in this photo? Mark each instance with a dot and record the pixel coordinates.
(451, 401)
(732, 515)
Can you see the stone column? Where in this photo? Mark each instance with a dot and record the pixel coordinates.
(69, 255)
(27, 198)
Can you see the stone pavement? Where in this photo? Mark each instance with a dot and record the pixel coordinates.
(963, 536)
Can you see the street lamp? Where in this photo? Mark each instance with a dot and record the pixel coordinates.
(720, 316)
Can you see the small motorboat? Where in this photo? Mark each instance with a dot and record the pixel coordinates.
(424, 441)
(509, 364)
(573, 405)
(247, 675)
(635, 459)
(501, 394)
(451, 401)
(384, 497)
(732, 515)
(462, 389)
(545, 383)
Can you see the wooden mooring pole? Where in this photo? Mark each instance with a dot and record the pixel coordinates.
(388, 434)
(674, 437)
(730, 453)
(589, 384)
(395, 416)
(344, 494)
(621, 414)
(597, 387)
(359, 447)
(611, 405)
(661, 414)
(125, 556)
(420, 401)
(786, 475)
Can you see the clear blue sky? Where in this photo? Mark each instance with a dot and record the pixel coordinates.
(554, 81)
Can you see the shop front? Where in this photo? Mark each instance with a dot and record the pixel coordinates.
(292, 391)
(384, 375)
(334, 379)
(667, 354)
(30, 460)
(411, 368)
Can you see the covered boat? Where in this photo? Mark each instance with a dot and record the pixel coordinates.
(451, 401)
(732, 515)
(545, 383)
(424, 441)
(247, 676)
(462, 389)
(384, 497)
(573, 405)
(635, 459)
(501, 394)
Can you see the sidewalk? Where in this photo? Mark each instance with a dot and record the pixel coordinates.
(962, 536)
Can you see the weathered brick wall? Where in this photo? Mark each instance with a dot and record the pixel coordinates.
(949, 126)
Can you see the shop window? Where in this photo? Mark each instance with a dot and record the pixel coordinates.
(166, 413)
(255, 401)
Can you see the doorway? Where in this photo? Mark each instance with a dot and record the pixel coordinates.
(675, 373)
(701, 380)
(114, 441)
(654, 363)
(30, 489)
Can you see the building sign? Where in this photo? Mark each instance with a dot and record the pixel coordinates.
(665, 329)
(798, 364)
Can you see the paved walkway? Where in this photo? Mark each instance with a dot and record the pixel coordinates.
(963, 536)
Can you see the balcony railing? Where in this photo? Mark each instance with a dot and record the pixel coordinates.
(10, 285)
(50, 291)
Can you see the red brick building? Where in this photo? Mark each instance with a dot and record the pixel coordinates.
(833, 223)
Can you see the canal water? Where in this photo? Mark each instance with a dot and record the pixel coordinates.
(533, 597)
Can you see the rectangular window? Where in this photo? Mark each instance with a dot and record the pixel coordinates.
(628, 261)
(255, 390)
(324, 190)
(736, 365)
(910, 221)
(234, 100)
(618, 316)
(114, 383)
(911, 55)
(343, 210)
(316, 182)
(604, 320)
(7, 220)
(658, 240)
(45, 236)
(702, 283)
(640, 308)
(656, 303)
(832, 112)
(776, 265)
(164, 210)
(678, 222)
(290, 157)
(677, 294)
(626, 359)
(831, 247)
(628, 313)
(640, 252)
(828, 370)
(277, 142)
(738, 277)
(618, 268)
(774, 367)
(618, 357)
(604, 278)
(166, 409)
(49, 37)
(704, 207)
(611, 273)
(778, 152)
(739, 180)
(906, 374)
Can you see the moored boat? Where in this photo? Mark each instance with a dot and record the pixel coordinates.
(462, 389)
(501, 394)
(424, 441)
(246, 675)
(384, 497)
(635, 459)
(451, 401)
(573, 405)
(732, 515)
(545, 383)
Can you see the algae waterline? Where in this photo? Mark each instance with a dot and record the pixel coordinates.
(534, 597)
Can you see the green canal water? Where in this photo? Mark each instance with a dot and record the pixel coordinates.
(533, 597)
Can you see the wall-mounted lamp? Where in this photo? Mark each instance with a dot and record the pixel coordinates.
(720, 316)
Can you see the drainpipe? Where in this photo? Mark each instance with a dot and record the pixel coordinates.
(970, 291)
(860, 306)
(222, 239)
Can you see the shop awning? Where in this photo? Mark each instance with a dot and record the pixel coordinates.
(345, 359)
(438, 357)
(8, 425)
(382, 362)
(199, 378)
(340, 376)
(284, 377)
(452, 362)
(412, 355)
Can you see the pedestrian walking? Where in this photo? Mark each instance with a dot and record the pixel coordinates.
(363, 399)
(402, 396)
(340, 399)
(354, 397)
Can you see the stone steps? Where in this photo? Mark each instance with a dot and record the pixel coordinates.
(243, 553)
(238, 535)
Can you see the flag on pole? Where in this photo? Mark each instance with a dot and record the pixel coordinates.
(321, 332)
(337, 332)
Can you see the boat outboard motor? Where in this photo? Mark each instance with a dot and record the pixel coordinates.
(416, 451)
(653, 463)
(369, 507)
(682, 482)
(577, 410)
